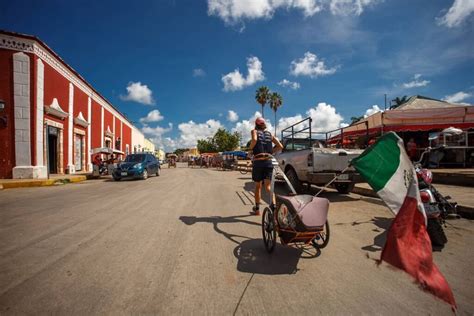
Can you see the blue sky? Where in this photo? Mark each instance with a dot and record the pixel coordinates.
(186, 63)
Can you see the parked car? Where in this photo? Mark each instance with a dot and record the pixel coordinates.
(137, 166)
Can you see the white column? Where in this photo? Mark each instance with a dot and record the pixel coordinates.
(113, 131)
(102, 126)
(42, 170)
(70, 144)
(22, 106)
(121, 135)
(89, 117)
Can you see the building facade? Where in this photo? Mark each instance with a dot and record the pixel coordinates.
(50, 117)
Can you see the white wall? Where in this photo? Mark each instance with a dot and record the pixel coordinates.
(138, 140)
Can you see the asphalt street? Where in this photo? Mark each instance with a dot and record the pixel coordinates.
(184, 243)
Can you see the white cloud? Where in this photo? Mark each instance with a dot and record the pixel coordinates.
(324, 116)
(191, 132)
(156, 135)
(156, 131)
(153, 116)
(349, 7)
(416, 82)
(232, 116)
(235, 80)
(310, 66)
(459, 11)
(198, 72)
(245, 126)
(233, 11)
(374, 109)
(457, 97)
(138, 93)
(289, 84)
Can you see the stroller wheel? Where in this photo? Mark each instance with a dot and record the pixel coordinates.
(322, 239)
(268, 230)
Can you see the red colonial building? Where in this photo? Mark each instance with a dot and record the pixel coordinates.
(50, 117)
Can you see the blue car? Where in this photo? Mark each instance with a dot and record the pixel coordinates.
(137, 166)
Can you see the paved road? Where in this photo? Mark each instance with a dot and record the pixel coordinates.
(182, 243)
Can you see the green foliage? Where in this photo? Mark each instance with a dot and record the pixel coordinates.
(398, 101)
(180, 151)
(222, 140)
(356, 119)
(262, 96)
(225, 140)
(206, 146)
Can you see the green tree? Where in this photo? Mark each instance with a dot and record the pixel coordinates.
(398, 101)
(225, 140)
(206, 146)
(261, 96)
(356, 119)
(275, 102)
(180, 151)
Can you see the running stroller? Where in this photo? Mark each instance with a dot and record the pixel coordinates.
(295, 218)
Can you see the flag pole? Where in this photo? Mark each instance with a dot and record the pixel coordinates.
(334, 179)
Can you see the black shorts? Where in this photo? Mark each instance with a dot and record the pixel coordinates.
(261, 173)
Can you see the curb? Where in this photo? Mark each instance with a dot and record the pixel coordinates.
(41, 183)
(465, 210)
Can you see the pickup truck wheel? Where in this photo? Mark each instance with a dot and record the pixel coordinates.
(344, 188)
(295, 182)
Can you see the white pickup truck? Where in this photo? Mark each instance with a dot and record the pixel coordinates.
(309, 162)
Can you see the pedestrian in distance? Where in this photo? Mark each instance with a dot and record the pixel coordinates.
(262, 148)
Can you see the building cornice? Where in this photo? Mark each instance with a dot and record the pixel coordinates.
(28, 44)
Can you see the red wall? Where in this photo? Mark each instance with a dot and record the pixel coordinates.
(7, 138)
(127, 138)
(117, 131)
(108, 121)
(80, 105)
(96, 134)
(56, 86)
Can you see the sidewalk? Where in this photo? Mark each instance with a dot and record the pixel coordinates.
(53, 180)
(464, 196)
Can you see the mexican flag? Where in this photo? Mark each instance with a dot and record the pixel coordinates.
(387, 168)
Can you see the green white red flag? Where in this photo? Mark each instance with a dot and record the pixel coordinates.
(388, 170)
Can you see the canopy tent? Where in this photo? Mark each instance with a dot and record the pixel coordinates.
(417, 114)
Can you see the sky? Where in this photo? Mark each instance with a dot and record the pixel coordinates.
(181, 69)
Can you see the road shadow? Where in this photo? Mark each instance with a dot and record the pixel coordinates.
(383, 224)
(253, 258)
(251, 254)
(216, 220)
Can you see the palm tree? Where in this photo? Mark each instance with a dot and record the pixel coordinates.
(262, 95)
(398, 101)
(275, 102)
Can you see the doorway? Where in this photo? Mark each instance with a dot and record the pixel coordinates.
(53, 149)
(78, 143)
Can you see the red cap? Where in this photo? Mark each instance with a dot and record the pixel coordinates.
(260, 121)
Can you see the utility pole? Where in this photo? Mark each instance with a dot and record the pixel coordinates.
(385, 107)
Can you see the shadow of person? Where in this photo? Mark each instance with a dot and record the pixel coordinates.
(215, 220)
(253, 258)
(383, 224)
